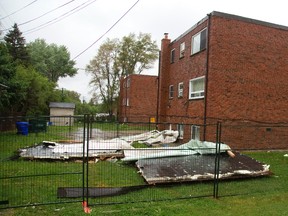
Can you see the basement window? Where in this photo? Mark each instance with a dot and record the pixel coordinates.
(198, 42)
(196, 88)
(195, 132)
(180, 128)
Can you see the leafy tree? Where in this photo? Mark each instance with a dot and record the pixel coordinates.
(16, 45)
(33, 91)
(106, 73)
(51, 60)
(7, 72)
(137, 53)
(117, 58)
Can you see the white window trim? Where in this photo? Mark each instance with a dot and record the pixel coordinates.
(180, 90)
(199, 93)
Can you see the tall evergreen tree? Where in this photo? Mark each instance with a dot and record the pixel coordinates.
(16, 45)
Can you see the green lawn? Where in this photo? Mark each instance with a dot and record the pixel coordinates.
(257, 196)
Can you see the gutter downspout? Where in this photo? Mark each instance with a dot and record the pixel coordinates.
(206, 77)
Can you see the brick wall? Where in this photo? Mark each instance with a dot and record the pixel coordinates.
(247, 71)
(246, 81)
(181, 71)
(142, 95)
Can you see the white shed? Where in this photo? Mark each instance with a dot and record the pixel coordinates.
(61, 114)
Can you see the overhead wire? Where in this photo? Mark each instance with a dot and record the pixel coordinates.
(46, 13)
(61, 17)
(107, 30)
(19, 9)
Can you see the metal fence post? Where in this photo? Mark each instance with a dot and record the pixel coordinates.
(85, 185)
(217, 160)
(83, 158)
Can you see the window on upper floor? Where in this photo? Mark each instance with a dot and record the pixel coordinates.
(126, 83)
(180, 89)
(198, 42)
(172, 56)
(171, 91)
(125, 102)
(196, 88)
(182, 50)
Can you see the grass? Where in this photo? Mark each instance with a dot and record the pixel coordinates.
(257, 196)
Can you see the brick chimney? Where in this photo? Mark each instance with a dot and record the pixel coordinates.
(165, 35)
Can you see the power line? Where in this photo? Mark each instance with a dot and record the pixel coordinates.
(46, 13)
(19, 9)
(108, 29)
(59, 18)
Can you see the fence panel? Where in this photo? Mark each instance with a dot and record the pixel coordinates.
(266, 144)
(113, 178)
(30, 173)
(99, 161)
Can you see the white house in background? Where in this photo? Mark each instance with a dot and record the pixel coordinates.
(61, 113)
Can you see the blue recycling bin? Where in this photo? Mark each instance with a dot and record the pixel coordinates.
(22, 128)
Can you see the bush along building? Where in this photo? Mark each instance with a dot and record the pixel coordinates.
(138, 98)
(227, 69)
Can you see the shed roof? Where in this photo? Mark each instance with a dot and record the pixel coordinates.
(62, 105)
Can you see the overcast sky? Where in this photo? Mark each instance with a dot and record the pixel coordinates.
(77, 24)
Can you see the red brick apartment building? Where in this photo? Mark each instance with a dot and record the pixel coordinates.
(230, 69)
(138, 98)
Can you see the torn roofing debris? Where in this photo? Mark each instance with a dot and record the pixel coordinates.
(199, 168)
(192, 161)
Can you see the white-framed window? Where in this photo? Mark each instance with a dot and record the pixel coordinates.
(125, 102)
(195, 132)
(172, 56)
(171, 91)
(196, 88)
(180, 89)
(198, 42)
(180, 128)
(182, 50)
